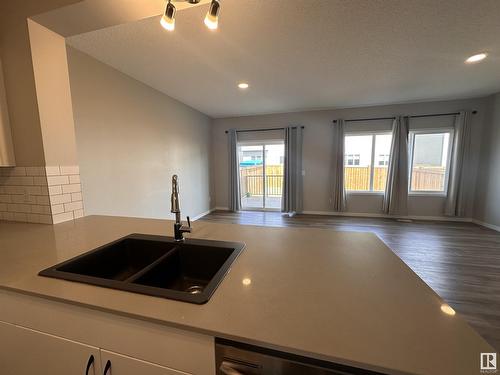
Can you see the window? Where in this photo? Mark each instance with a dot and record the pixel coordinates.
(383, 159)
(353, 159)
(366, 161)
(429, 161)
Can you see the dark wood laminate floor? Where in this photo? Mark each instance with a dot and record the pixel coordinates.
(460, 261)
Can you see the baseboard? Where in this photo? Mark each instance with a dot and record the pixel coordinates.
(385, 216)
(197, 217)
(221, 208)
(486, 225)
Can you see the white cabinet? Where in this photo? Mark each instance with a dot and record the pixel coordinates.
(26, 352)
(36, 333)
(123, 365)
(6, 148)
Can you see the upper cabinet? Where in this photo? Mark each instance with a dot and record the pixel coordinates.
(6, 149)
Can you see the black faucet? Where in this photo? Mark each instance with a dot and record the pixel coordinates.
(179, 228)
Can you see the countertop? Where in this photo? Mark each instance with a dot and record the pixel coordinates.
(339, 296)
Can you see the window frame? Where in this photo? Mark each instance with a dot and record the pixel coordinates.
(372, 164)
(411, 149)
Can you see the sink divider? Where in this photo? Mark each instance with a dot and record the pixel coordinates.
(149, 267)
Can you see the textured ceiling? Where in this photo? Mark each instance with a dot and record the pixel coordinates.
(310, 54)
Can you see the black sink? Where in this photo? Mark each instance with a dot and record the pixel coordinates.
(188, 271)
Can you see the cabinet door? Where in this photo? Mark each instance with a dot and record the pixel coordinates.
(27, 352)
(124, 365)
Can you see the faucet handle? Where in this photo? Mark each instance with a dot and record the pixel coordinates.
(189, 221)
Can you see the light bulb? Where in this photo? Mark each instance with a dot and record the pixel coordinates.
(168, 19)
(212, 17)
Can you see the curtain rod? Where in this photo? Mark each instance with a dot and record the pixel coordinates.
(415, 116)
(261, 130)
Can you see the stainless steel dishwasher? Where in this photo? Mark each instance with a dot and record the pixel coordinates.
(234, 358)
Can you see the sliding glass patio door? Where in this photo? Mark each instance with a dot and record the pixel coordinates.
(261, 175)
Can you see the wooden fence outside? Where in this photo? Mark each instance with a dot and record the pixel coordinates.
(428, 178)
(252, 181)
(423, 178)
(356, 178)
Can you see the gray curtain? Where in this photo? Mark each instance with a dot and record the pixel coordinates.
(457, 181)
(396, 190)
(292, 181)
(338, 194)
(234, 181)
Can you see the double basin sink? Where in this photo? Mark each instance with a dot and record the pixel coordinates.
(188, 271)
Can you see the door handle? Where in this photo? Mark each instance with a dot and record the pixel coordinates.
(107, 367)
(90, 363)
(226, 369)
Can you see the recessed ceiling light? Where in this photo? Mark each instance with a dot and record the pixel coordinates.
(447, 309)
(243, 85)
(476, 58)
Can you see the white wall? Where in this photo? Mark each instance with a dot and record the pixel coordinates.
(131, 139)
(487, 207)
(318, 145)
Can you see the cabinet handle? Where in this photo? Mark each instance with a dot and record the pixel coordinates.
(107, 367)
(89, 364)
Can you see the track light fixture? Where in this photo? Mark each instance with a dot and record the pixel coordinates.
(212, 18)
(168, 18)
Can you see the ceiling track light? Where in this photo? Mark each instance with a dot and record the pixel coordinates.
(212, 17)
(211, 20)
(168, 19)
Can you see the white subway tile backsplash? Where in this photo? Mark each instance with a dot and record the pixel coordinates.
(17, 180)
(33, 190)
(59, 199)
(53, 170)
(5, 171)
(38, 209)
(14, 190)
(12, 207)
(57, 209)
(59, 218)
(78, 214)
(16, 171)
(41, 181)
(50, 194)
(74, 179)
(70, 169)
(57, 180)
(76, 197)
(73, 206)
(73, 188)
(55, 190)
(8, 216)
(45, 219)
(35, 171)
(18, 216)
(24, 198)
(43, 199)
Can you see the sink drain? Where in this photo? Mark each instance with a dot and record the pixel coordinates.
(195, 289)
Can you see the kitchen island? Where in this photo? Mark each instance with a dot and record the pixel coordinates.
(341, 297)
